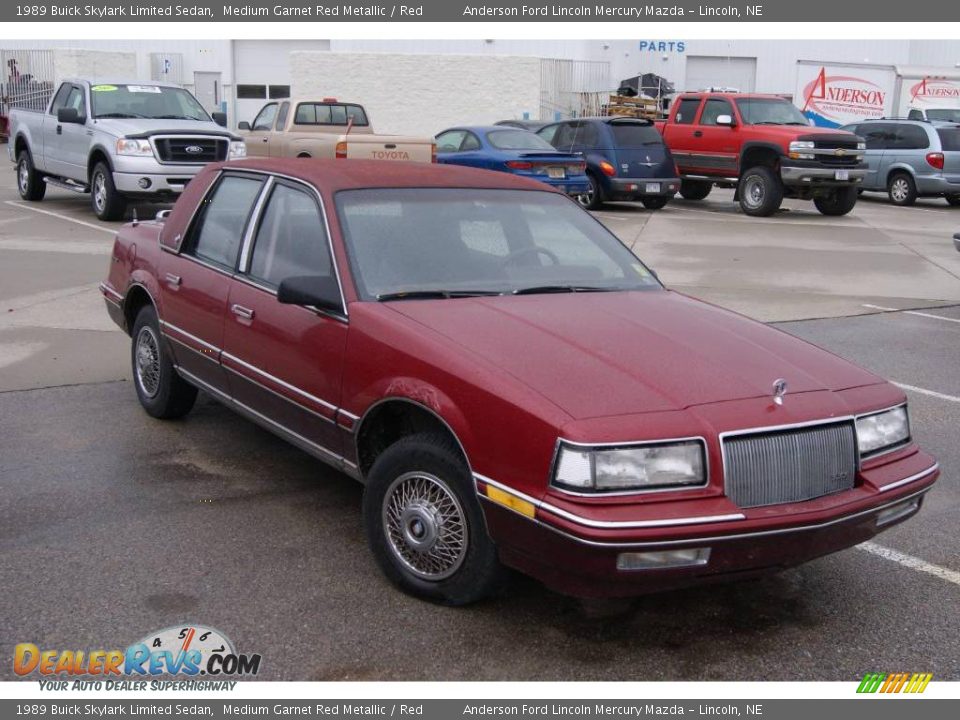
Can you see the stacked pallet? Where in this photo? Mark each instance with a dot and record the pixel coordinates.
(638, 107)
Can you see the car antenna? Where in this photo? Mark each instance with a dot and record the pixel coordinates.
(349, 126)
(135, 222)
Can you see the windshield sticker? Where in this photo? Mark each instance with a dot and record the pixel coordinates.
(143, 89)
(103, 88)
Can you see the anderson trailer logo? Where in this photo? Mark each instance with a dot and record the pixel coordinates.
(932, 90)
(834, 100)
(911, 683)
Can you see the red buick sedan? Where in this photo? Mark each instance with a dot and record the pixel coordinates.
(508, 381)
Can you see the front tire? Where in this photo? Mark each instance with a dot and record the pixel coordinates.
(901, 189)
(425, 525)
(655, 203)
(161, 391)
(761, 191)
(838, 202)
(107, 203)
(694, 189)
(29, 183)
(593, 198)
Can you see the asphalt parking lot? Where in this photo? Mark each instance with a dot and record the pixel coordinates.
(113, 524)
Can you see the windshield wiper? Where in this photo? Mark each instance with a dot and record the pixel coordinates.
(175, 117)
(543, 289)
(435, 294)
(119, 115)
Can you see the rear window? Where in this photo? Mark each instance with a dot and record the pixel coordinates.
(517, 140)
(329, 114)
(634, 135)
(949, 138)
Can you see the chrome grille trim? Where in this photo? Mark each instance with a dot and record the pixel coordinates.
(789, 465)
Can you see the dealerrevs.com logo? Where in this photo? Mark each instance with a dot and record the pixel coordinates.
(186, 650)
(911, 683)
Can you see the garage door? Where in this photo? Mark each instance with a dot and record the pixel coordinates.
(263, 71)
(705, 71)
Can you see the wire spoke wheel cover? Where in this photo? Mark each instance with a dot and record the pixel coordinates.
(425, 526)
(147, 362)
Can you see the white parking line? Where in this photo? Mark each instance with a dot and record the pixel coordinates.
(909, 561)
(911, 312)
(24, 206)
(931, 393)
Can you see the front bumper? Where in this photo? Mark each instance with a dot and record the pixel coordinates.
(582, 560)
(814, 174)
(636, 188)
(132, 173)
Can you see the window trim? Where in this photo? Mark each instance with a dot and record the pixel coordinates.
(283, 114)
(273, 120)
(448, 132)
(703, 110)
(344, 105)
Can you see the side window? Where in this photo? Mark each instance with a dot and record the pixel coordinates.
(713, 109)
(470, 142)
(291, 239)
(449, 141)
(282, 116)
(264, 119)
(911, 137)
(588, 136)
(549, 133)
(218, 232)
(879, 136)
(687, 111)
(61, 99)
(855, 129)
(915, 115)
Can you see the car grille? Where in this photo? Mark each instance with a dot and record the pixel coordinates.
(201, 149)
(789, 465)
(850, 157)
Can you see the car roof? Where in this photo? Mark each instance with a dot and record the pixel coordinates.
(330, 175)
(118, 81)
(483, 128)
(729, 95)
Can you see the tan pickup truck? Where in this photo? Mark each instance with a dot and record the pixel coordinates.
(327, 128)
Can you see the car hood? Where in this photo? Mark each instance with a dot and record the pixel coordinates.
(616, 353)
(792, 132)
(127, 127)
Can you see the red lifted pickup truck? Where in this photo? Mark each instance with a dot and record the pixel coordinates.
(765, 148)
(510, 383)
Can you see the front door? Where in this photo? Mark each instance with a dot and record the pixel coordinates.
(284, 362)
(261, 130)
(207, 89)
(195, 284)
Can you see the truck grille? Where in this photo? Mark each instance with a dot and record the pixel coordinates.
(850, 157)
(191, 150)
(789, 465)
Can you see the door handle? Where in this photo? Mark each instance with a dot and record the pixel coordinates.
(265, 140)
(240, 311)
(59, 129)
(698, 133)
(173, 279)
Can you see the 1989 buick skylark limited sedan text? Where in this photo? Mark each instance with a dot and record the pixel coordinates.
(510, 383)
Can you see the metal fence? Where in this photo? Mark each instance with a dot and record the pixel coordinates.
(27, 80)
(573, 88)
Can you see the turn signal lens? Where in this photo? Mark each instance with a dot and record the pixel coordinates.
(501, 497)
(607, 169)
(935, 160)
(341, 151)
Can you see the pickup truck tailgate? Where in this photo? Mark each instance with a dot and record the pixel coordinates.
(386, 147)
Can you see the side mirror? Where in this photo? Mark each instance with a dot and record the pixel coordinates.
(244, 125)
(70, 115)
(320, 291)
(220, 118)
(725, 120)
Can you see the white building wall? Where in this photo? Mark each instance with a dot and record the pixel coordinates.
(93, 64)
(417, 94)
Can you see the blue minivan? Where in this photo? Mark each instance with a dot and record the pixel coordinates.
(626, 159)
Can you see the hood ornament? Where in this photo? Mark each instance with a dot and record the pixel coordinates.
(779, 390)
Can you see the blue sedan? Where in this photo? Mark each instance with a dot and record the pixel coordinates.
(516, 151)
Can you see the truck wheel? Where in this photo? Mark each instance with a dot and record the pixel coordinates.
(29, 183)
(424, 523)
(161, 391)
(837, 202)
(694, 189)
(593, 198)
(952, 200)
(107, 203)
(655, 203)
(761, 191)
(902, 189)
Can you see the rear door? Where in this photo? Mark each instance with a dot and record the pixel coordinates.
(679, 132)
(285, 362)
(909, 148)
(950, 147)
(639, 151)
(195, 284)
(878, 136)
(46, 153)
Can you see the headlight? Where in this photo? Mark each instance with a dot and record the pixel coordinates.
(882, 430)
(641, 467)
(238, 149)
(130, 146)
(797, 146)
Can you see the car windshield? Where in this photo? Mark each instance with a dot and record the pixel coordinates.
(518, 140)
(155, 102)
(632, 135)
(451, 242)
(769, 111)
(946, 114)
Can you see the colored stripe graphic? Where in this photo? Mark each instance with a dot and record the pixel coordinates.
(894, 683)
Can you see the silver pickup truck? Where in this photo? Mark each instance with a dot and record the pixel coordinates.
(117, 141)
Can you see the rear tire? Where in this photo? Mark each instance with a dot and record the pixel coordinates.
(901, 189)
(161, 391)
(425, 525)
(29, 183)
(593, 199)
(761, 191)
(838, 202)
(655, 203)
(107, 203)
(952, 200)
(694, 189)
